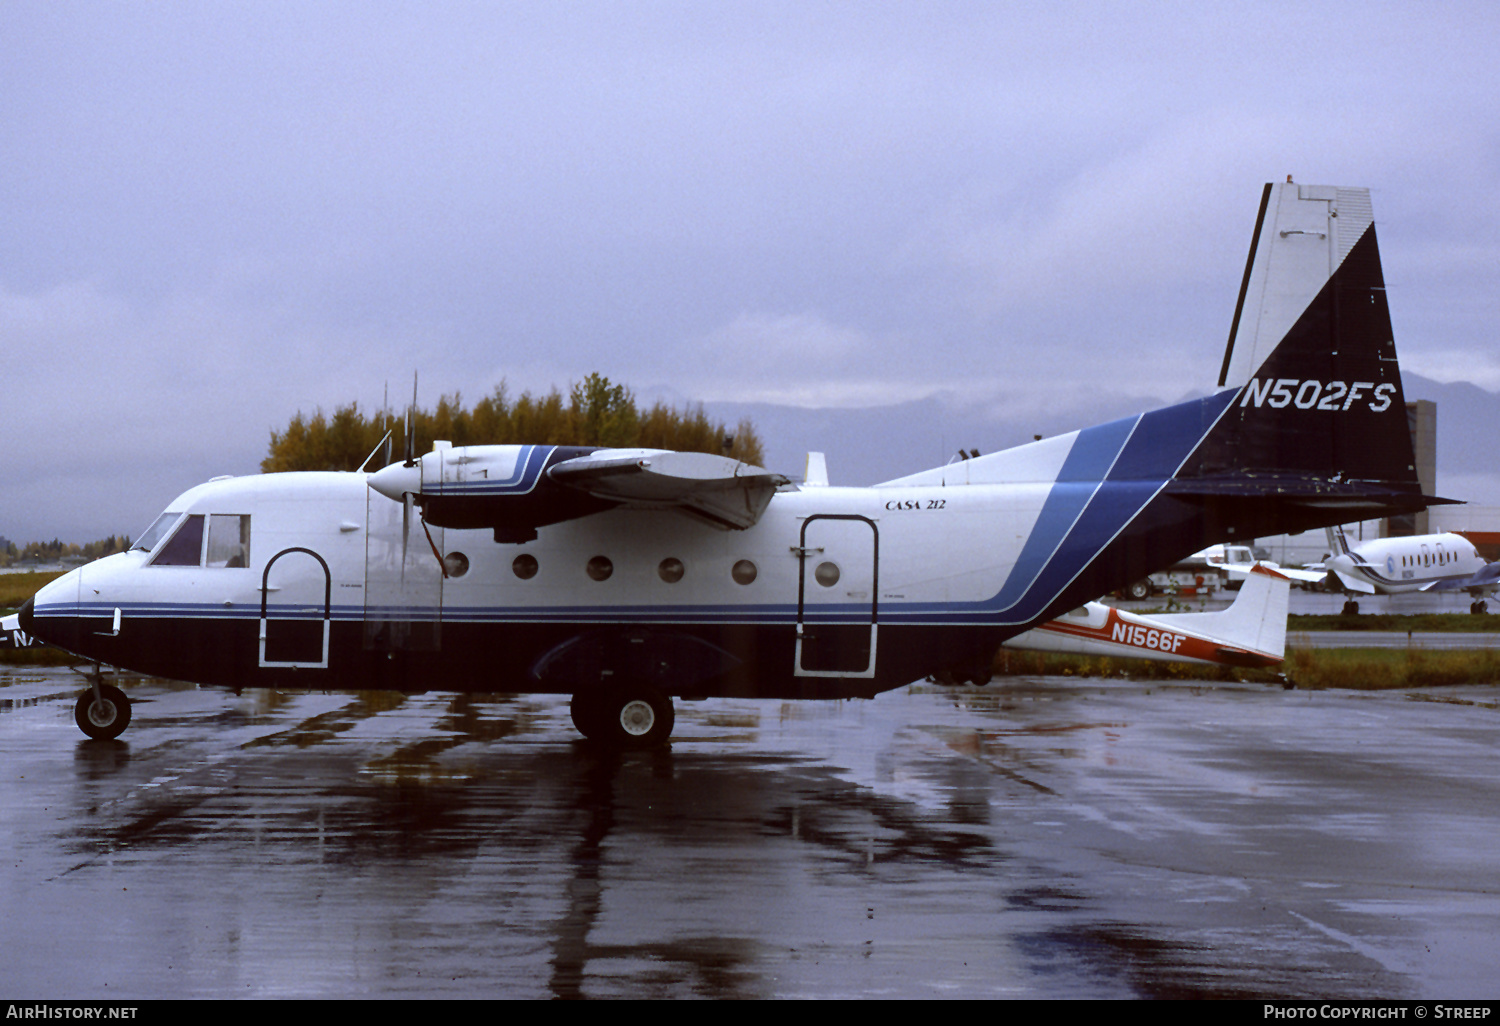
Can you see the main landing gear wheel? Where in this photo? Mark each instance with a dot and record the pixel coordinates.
(1139, 590)
(1478, 608)
(1351, 608)
(103, 718)
(636, 716)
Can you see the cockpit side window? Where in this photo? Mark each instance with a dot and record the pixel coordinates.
(228, 540)
(185, 548)
(158, 529)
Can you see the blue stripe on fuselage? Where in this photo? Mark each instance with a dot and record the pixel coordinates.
(1093, 454)
(1159, 444)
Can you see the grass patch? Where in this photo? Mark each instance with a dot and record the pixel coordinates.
(38, 655)
(1445, 623)
(1372, 669)
(15, 589)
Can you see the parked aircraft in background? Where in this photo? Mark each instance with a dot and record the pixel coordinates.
(1422, 562)
(623, 578)
(1251, 632)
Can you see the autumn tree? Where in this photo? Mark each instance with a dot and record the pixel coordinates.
(595, 412)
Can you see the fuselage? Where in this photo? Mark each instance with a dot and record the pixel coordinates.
(316, 580)
(1394, 565)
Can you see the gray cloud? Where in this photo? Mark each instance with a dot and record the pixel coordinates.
(217, 215)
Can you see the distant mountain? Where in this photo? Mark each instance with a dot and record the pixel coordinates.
(868, 445)
(872, 444)
(1468, 424)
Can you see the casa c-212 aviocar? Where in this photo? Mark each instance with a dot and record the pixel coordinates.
(625, 578)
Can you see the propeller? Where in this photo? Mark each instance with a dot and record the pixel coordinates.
(407, 502)
(411, 424)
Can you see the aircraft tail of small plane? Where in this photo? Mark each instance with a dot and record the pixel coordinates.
(1251, 632)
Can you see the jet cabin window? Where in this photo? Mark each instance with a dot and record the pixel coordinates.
(228, 542)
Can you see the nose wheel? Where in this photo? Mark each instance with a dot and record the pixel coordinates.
(102, 712)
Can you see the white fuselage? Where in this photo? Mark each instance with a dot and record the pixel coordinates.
(1391, 566)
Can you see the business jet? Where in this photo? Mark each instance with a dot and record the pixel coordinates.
(1251, 632)
(1422, 562)
(627, 578)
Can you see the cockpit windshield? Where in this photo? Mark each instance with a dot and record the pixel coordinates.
(154, 533)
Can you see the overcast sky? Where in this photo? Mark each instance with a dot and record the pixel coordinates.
(213, 215)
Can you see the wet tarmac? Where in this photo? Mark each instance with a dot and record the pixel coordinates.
(1039, 839)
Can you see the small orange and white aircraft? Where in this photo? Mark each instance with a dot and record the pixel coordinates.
(1251, 632)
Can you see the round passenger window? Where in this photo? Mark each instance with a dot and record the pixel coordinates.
(600, 568)
(827, 574)
(744, 572)
(670, 570)
(524, 566)
(457, 564)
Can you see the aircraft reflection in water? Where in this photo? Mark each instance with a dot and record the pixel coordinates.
(624, 577)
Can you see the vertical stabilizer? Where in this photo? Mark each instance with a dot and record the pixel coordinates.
(1312, 355)
(1303, 235)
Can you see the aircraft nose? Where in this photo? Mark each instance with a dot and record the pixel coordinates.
(396, 480)
(52, 613)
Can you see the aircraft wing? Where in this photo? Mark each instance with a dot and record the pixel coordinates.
(1353, 583)
(723, 491)
(1486, 579)
(1307, 576)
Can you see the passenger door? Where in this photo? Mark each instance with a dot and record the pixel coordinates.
(836, 596)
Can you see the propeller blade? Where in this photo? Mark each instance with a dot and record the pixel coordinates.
(411, 424)
(407, 502)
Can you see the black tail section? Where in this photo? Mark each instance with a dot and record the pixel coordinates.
(1318, 432)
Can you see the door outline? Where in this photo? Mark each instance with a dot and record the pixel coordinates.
(265, 590)
(806, 629)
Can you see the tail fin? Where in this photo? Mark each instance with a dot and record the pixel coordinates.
(1312, 232)
(1338, 542)
(1252, 631)
(1318, 418)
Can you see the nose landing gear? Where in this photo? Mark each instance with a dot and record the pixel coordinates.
(102, 711)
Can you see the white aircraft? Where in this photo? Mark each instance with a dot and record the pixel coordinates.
(1251, 632)
(624, 578)
(1422, 562)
